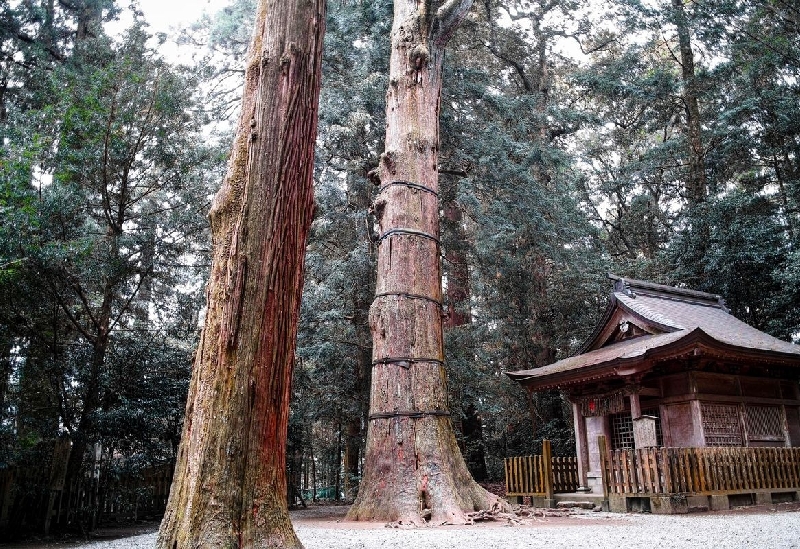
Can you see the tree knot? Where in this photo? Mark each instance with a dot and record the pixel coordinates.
(418, 57)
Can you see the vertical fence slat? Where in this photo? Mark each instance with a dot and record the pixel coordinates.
(657, 484)
(666, 470)
(505, 470)
(623, 458)
(768, 476)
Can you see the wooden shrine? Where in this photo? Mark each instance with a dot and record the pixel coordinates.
(670, 368)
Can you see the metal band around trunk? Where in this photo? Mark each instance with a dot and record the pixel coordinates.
(409, 232)
(411, 296)
(405, 362)
(410, 185)
(415, 415)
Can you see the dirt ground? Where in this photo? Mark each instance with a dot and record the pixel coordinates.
(324, 518)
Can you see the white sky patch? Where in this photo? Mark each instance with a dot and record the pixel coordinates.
(162, 15)
(166, 17)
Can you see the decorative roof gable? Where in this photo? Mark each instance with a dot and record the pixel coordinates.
(637, 308)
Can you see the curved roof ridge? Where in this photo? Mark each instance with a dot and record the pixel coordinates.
(631, 286)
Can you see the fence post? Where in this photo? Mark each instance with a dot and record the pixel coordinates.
(508, 472)
(603, 447)
(547, 458)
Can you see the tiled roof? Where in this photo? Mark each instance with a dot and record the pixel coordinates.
(679, 313)
(715, 321)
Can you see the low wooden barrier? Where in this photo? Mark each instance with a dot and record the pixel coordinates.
(106, 498)
(565, 474)
(699, 471)
(541, 476)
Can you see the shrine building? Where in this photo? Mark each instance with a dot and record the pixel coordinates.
(671, 367)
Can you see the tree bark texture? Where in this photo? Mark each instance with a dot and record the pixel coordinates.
(414, 471)
(230, 480)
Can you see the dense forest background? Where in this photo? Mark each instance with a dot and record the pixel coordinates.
(656, 139)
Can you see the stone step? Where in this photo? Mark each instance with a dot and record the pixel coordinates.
(578, 504)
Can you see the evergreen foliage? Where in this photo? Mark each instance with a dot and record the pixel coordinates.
(104, 192)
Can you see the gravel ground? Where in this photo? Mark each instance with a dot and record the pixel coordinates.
(324, 528)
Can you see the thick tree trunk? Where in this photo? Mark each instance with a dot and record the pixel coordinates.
(230, 480)
(413, 468)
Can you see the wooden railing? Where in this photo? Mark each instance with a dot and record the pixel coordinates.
(541, 475)
(565, 474)
(699, 470)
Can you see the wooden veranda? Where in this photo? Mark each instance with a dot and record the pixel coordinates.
(665, 480)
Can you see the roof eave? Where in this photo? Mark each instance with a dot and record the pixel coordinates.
(691, 343)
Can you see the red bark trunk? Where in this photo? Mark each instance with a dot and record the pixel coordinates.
(413, 468)
(230, 481)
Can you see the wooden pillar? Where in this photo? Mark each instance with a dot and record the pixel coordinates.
(581, 446)
(785, 425)
(636, 408)
(602, 444)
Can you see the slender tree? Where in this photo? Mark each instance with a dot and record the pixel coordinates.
(696, 181)
(413, 468)
(230, 481)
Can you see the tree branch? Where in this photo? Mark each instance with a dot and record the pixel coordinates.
(447, 19)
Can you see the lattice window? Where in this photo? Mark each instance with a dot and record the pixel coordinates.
(721, 425)
(654, 412)
(621, 431)
(764, 423)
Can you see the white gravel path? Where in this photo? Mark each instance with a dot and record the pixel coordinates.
(761, 530)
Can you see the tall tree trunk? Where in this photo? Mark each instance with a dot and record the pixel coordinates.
(362, 296)
(230, 480)
(469, 428)
(696, 185)
(83, 433)
(413, 468)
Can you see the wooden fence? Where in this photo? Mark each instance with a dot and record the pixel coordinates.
(699, 471)
(541, 476)
(91, 500)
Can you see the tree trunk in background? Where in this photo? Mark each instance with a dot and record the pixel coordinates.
(696, 185)
(458, 272)
(362, 296)
(469, 427)
(230, 480)
(89, 19)
(413, 469)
